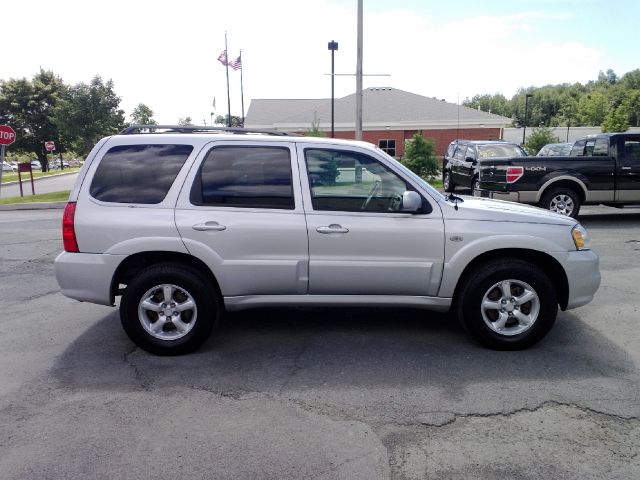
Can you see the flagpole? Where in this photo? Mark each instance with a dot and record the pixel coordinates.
(226, 65)
(241, 87)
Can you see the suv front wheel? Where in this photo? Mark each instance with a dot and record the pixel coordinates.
(507, 304)
(169, 309)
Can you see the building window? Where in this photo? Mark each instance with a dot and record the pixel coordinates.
(389, 146)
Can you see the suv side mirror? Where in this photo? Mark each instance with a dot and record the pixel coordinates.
(411, 201)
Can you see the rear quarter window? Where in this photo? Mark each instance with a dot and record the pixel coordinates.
(138, 173)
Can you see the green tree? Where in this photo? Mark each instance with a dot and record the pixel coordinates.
(496, 103)
(185, 121)
(89, 112)
(420, 156)
(314, 130)
(592, 108)
(29, 107)
(615, 121)
(631, 107)
(143, 115)
(235, 121)
(539, 138)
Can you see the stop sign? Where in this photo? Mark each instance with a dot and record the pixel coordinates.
(7, 135)
(50, 146)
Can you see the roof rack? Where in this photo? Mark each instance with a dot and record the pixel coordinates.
(150, 129)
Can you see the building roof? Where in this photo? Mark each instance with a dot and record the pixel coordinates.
(383, 108)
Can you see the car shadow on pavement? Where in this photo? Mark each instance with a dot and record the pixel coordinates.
(271, 350)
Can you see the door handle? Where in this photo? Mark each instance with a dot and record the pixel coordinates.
(625, 168)
(333, 228)
(209, 226)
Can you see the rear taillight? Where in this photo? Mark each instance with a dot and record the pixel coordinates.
(514, 174)
(68, 230)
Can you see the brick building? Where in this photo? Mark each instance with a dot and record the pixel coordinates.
(390, 117)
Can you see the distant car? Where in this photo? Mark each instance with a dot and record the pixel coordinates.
(55, 164)
(7, 167)
(35, 165)
(461, 164)
(555, 150)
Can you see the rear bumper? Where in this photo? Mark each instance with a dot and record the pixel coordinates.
(87, 276)
(520, 197)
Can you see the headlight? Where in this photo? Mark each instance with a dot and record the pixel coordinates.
(581, 237)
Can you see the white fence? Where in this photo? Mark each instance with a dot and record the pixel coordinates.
(564, 134)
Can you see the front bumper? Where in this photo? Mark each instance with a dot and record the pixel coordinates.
(87, 276)
(583, 276)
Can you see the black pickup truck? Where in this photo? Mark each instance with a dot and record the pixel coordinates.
(602, 169)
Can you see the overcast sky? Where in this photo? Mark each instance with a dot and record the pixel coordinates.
(163, 53)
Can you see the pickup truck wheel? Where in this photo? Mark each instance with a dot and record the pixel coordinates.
(507, 304)
(447, 183)
(169, 309)
(562, 200)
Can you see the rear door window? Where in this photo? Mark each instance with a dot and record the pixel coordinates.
(578, 148)
(249, 177)
(138, 173)
(460, 152)
(601, 147)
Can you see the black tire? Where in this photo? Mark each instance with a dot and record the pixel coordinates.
(447, 182)
(186, 287)
(475, 185)
(562, 200)
(483, 323)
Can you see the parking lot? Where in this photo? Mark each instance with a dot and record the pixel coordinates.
(311, 393)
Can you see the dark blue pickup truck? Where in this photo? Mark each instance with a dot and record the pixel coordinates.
(602, 169)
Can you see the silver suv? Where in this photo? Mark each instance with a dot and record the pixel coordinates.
(191, 222)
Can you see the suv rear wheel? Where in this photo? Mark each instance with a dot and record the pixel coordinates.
(169, 309)
(447, 183)
(507, 304)
(475, 185)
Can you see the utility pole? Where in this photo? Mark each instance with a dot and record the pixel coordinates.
(333, 46)
(359, 76)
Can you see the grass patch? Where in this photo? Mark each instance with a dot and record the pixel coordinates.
(435, 183)
(13, 177)
(41, 197)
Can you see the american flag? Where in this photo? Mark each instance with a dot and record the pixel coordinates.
(223, 58)
(236, 64)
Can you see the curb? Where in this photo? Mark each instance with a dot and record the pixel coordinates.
(33, 206)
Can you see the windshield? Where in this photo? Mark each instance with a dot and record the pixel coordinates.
(423, 183)
(500, 150)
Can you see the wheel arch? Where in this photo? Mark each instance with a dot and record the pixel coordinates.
(564, 181)
(549, 265)
(129, 267)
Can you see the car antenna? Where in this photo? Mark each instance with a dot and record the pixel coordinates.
(454, 198)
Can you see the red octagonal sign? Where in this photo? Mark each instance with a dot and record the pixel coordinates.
(7, 135)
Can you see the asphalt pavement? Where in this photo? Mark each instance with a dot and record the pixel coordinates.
(315, 393)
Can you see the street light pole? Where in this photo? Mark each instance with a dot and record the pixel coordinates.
(359, 74)
(526, 111)
(333, 46)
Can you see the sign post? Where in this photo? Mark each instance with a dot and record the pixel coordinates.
(25, 167)
(50, 146)
(7, 137)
